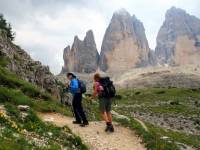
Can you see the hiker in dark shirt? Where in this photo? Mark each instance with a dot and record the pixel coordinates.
(104, 104)
(77, 101)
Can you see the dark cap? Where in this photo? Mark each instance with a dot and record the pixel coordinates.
(70, 73)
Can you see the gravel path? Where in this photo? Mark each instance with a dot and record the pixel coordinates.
(94, 135)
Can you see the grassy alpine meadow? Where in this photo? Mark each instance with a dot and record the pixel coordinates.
(160, 110)
(23, 129)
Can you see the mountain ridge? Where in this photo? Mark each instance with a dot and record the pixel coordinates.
(125, 45)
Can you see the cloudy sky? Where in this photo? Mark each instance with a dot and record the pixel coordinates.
(45, 27)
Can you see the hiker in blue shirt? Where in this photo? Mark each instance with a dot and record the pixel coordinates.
(79, 114)
(73, 88)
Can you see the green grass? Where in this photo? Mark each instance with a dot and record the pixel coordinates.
(192, 140)
(14, 96)
(34, 125)
(167, 101)
(4, 60)
(187, 99)
(47, 106)
(92, 109)
(10, 80)
(150, 139)
(14, 92)
(173, 101)
(9, 144)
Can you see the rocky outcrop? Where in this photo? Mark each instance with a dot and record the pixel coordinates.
(178, 40)
(124, 45)
(82, 57)
(26, 68)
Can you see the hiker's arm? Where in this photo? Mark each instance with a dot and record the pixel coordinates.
(67, 85)
(95, 90)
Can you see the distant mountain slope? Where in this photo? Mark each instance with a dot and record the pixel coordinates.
(187, 76)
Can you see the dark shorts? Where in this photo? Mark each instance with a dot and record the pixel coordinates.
(105, 104)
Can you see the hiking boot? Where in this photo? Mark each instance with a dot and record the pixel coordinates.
(107, 128)
(84, 124)
(111, 128)
(76, 122)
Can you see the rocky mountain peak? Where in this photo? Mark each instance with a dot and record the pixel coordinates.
(178, 29)
(121, 12)
(89, 39)
(76, 39)
(67, 49)
(124, 45)
(83, 56)
(173, 11)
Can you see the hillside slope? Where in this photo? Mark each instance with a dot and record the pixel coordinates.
(20, 100)
(25, 67)
(187, 76)
(20, 128)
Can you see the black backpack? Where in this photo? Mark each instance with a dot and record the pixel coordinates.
(109, 89)
(82, 86)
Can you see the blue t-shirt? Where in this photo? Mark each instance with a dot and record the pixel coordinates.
(73, 87)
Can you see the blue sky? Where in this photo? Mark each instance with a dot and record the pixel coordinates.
(45, 27)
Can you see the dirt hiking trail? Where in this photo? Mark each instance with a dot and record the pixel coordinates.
(95, 136)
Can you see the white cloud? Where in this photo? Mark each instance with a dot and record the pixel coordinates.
(50, 35)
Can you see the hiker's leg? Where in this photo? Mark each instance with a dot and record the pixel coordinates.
(109, 123)
(104, 116)
(109, 115)
(108, 110)
(75, 109)
(102, 109)
(80, 108)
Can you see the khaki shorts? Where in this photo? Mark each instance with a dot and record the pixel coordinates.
(105, 104)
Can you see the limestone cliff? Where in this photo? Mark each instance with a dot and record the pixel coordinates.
(178, 40)
(124, 45)
(82, 57)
